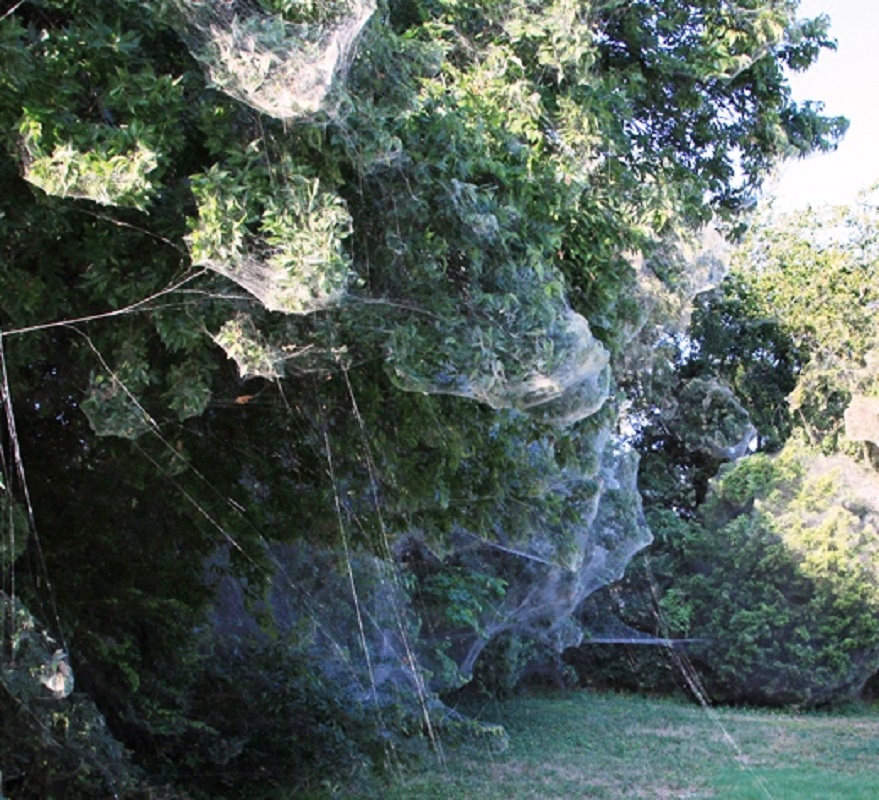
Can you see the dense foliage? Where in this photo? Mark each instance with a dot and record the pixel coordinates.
(310, 398)
(770, 569)
(778, 580)
(799, 309)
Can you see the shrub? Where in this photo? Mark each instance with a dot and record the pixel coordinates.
(781, 577)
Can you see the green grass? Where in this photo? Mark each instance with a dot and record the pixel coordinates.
(580, 745)
(795, 784)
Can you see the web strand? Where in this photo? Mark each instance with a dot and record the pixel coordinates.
(412, 662)
(689, 673)
(279, 569)
(12, 10)
(130, 309)
(9, 412)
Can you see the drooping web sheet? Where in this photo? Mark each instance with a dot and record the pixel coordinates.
(284, 65)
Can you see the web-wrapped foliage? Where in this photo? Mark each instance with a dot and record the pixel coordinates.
(291, 257)
(280, 58)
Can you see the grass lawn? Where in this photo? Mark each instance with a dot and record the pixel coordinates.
(575, 745)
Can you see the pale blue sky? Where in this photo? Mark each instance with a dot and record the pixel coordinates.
(848, 83)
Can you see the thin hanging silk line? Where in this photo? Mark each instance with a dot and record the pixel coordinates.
(9, 412)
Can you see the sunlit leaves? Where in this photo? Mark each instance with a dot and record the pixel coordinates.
(111, 173)
(244, 344)
(815, 278)
(783, 578)
(121, 124)
(286, 248)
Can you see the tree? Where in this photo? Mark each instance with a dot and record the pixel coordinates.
(416, 258)
(705, 89)
(798, 312)
(763, 560)
(779, 580)
(751, 352)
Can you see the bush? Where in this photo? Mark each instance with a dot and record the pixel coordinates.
(271, 723)
(781, 577)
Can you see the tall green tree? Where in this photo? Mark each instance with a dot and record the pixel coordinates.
(772, 540)
(237, 314)
(793, 326)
